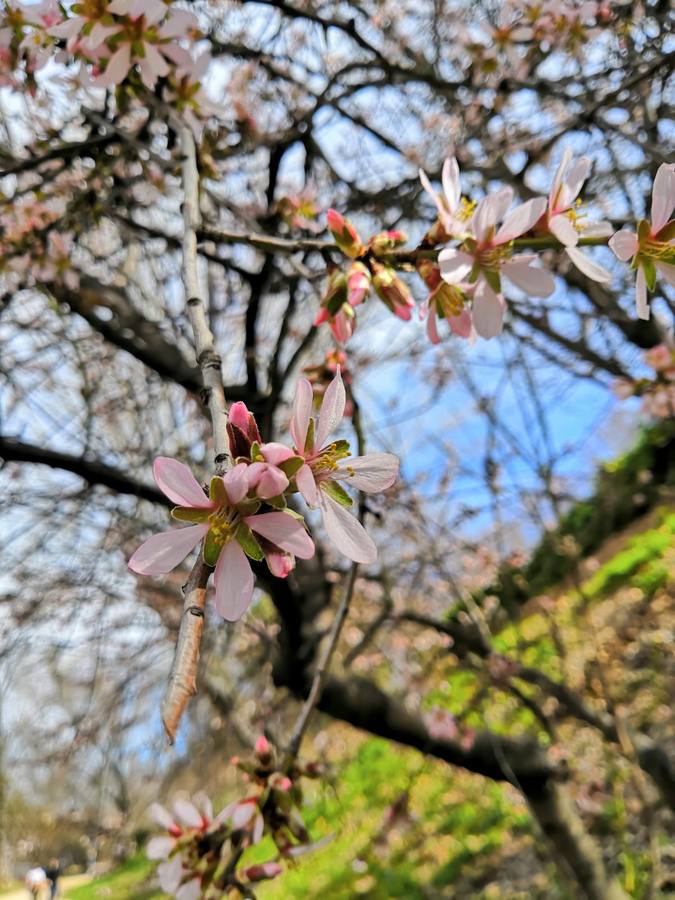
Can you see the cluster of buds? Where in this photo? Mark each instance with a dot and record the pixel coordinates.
(347, 289)
(201, 853)
(657, 393)
(245, 514)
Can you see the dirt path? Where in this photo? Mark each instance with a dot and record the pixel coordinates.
(68, 881)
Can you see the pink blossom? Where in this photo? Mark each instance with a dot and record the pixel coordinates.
(652, 249)
(445, 301)
(565, 223)
(392, 291)
(451, 212)
(226, 521)
(190, 818)
(328, 465)
(487, 254)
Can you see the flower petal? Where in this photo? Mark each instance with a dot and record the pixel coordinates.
(234, 582)
(371, 473)
(161, 816)
(488, 311)
(346, 532)
(426, 184)
(529, 278)
(162, 552)
(237, 483)
(489, 211)
(588, 266)
(455, 265)
(302, 410)
(451, 184)
(178, 483)
(187, 813)
(192, 890)
(521, 220)
(461, 324)
(307, 485)
(267, 480)
(170, 874)
(432, 329)
(663, 196)
(556, 184)
(276, 453)
(283, 530)
(667, 270)
(624, 244)
(160, 847)
(117, 68)
(575, 179)
(561, 227)
(332, 409)
(641, 303)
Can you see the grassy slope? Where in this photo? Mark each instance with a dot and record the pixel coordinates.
(457, 835)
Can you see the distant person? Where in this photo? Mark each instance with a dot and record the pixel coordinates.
(53, 873)
(36, 879)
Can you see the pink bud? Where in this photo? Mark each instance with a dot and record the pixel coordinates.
(263, 746)
(261, 871)
(239, 415)
(346, 236)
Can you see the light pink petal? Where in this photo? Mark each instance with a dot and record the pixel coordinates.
(588, 266)
(451, 184)
(242, 815)
(162, 552)
(593, 228)
(564, 230)
(574, 181)
(153, 10)
(161, 815)
(170, 874)
(624, 244)
(489, 211)
(371, 473)
(276, 453)
(120, 7)
(426, 184)
(237, 483)
(179, 24)
(663, 197)
(283, 530)
(332, 409)
(117, 68)
(641, 295)
(160, 847)
(455, 265)
(98, 34)
(432, 329)
(302, 410)
(178, 483)
(238, 415)
(557, 179)
(192, 890)
(234, 582)
(279, 562)
(152, 65)
(521, 220)
(307, 485)
(532, 280)
(67, 28)
(488, 311)
(461, 324)
(187, 813)
(667, 270)
(346, 532)
(267, 480)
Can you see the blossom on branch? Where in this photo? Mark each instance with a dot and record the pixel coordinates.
(229, 524)
(652, 249)
(327, 466)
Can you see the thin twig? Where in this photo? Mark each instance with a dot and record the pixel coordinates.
(321, 670)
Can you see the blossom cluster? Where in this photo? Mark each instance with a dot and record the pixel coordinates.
(658, 392)
(245, 515)
(113, 42)
(465, 280)
(200, 853)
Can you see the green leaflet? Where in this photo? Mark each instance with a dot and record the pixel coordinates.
(248, 543)
(336, 492)
(188, 514)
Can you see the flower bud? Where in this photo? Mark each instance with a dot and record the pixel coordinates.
(386, 241)
(346, 236)
(242, 430)
(263, 749)
(261, 871)
(358, 283)
(392, 291)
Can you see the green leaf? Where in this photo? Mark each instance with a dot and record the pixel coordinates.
(335, 490)
(309, 440)
(248, 543)
(644, 230)
(217, 491)
(292, 466)
(212, 549)
(277, 502)
(188, 514)
(650, 272)
(493, 280)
